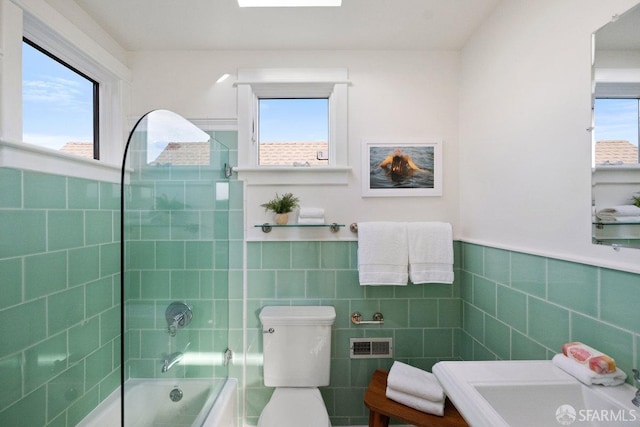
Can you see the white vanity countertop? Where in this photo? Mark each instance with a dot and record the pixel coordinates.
(531, 392)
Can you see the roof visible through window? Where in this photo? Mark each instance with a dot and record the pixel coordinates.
(293, 131)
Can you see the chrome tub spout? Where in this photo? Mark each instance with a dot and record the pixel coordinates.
(171, 360)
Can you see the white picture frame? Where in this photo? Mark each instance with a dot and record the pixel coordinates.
(402, 168)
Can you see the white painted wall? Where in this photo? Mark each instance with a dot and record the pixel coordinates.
(517, 98)
(524, 150)
(394, 95)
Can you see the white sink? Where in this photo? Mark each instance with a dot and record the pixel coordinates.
(544, 404)
(532, 394)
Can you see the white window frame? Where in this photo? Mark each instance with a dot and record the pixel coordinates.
(15, 153)
(257, 83)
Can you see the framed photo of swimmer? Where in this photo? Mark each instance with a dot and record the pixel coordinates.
(401, 168)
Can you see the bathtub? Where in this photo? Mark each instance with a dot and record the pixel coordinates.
(204, 402)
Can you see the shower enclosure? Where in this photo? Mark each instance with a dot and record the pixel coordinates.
(175, 260)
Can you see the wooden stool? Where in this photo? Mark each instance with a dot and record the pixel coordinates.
(381, 408)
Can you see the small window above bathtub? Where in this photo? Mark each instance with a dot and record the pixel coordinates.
(60, 108)
(292, 122)
(66, 101)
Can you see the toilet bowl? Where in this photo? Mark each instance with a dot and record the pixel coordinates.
(295, 407)
(297, 359)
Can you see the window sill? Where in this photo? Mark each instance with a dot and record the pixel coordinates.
(616, 174)
(622, 167)
(274, 175)
(24, 156)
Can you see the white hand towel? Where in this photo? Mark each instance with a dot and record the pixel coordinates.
(424, 405)
(430, 252)
(311, 213)
(587, 376)
(310, 220)
(414, 381)
(383, 253)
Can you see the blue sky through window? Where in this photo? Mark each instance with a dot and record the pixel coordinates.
(617, 119)
(294, 120)
(57, 102)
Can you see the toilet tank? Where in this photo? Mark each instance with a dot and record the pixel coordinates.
(297, 345)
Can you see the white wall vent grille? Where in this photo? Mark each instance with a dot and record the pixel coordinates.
(371, 348)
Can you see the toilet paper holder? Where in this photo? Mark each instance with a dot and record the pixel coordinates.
(356, 318)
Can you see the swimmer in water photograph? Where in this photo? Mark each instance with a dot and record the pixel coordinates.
(407, 167)
(399, 163)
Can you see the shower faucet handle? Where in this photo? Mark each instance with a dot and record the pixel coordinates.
(178, 315)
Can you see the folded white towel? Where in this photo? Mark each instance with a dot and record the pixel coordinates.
(414, 381)
(311, 212)
(618, 211)
(309, 220)
(424, 405)
(430, 252)
(587, 376)
(383, 253)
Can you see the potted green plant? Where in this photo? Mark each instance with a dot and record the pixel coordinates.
(282, 205)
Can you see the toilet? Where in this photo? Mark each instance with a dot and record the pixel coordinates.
(297, 357)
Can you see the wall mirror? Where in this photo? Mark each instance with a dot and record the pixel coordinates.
(615, 161)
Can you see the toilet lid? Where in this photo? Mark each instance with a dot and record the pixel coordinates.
(295, 407)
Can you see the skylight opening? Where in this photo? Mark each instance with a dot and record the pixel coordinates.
(289, 3)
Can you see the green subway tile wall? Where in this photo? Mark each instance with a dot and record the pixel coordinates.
(503, 305)
(60, 304)
(521, 306)
(423, 320)
(60, 301)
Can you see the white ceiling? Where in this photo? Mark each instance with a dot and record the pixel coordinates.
(221, 24)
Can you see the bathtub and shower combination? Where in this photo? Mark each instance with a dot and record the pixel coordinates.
(174, 257)
(206, 403)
